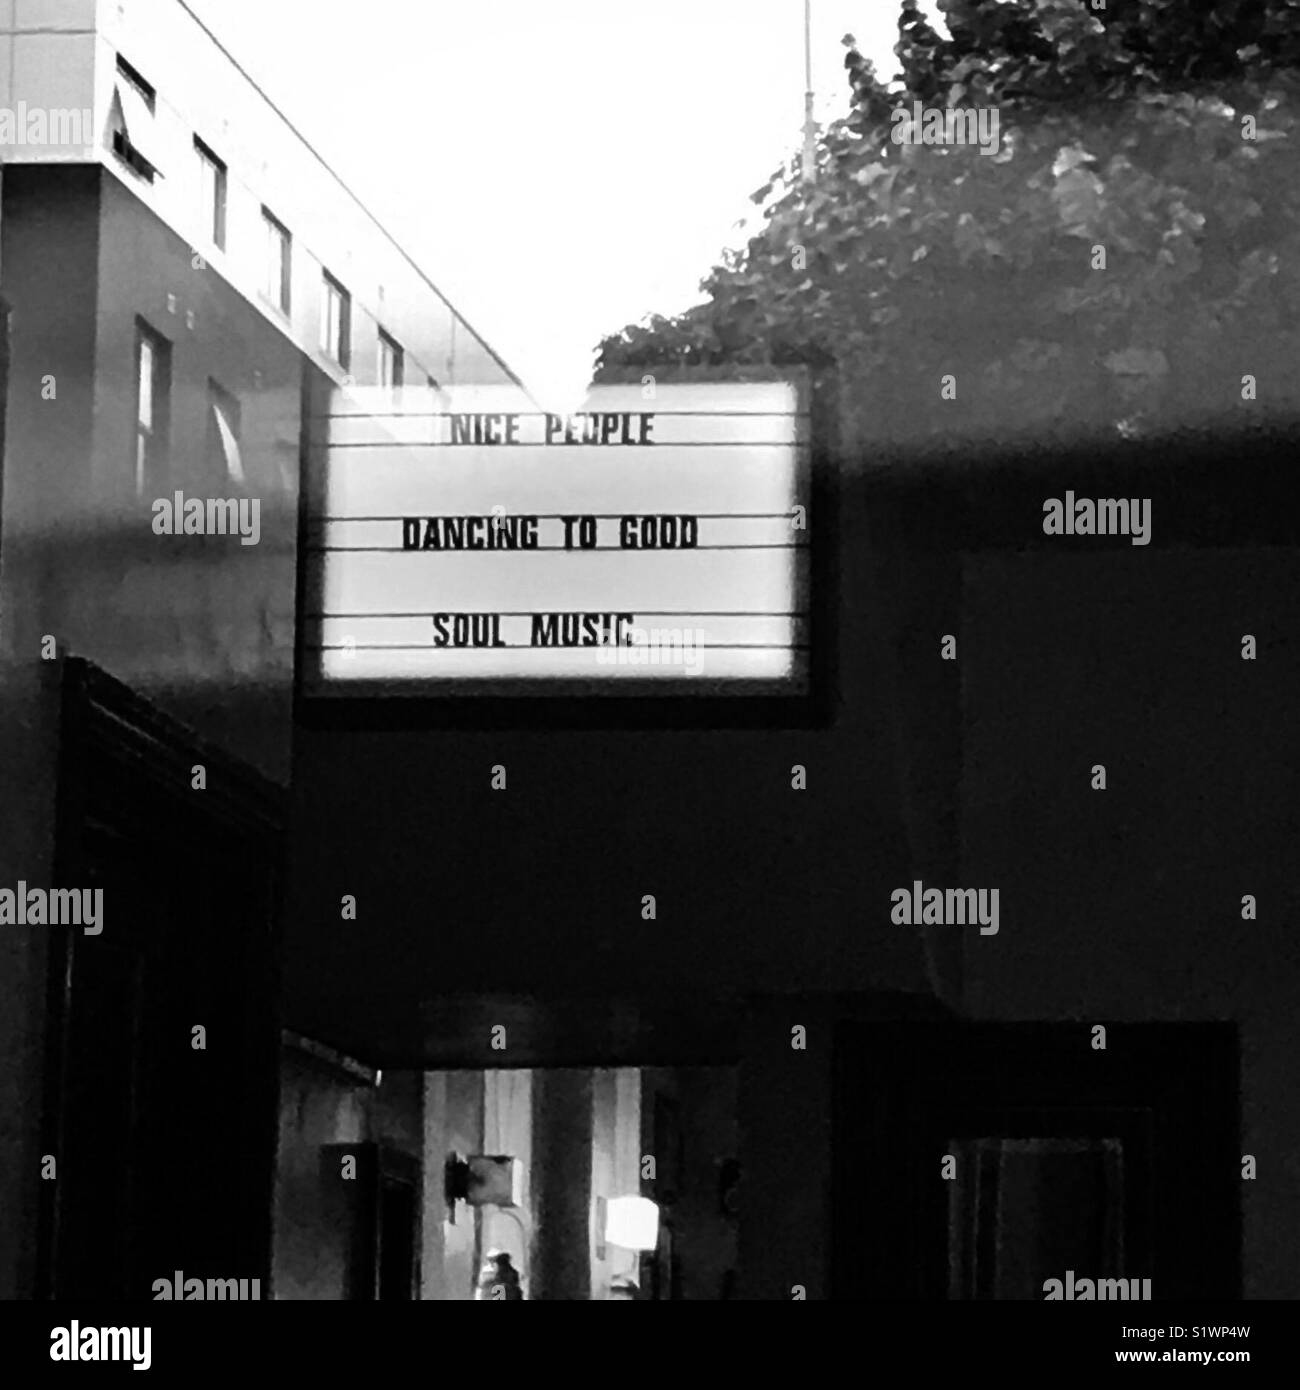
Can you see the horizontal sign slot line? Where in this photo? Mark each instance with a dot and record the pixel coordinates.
(576, 550)
(557, 516)
(542, 414)
(529, 612)
(555, 647)
(637, 450)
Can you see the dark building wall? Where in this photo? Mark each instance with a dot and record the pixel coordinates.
(205, 622)
(184, 942)
(28, 753)
(704, 1100)
(785, 1129)
(784, 1126)
(561, 1184)
(48, 240)
(536, 891)
(1125, 904)
(49, 258)
(953, 772)
(201, 625)
(757, 886)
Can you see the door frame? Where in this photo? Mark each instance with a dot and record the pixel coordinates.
(154, 756)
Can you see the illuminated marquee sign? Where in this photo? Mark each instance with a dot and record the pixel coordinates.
(466, 540)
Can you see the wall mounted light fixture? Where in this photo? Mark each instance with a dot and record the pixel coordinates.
(633, 1223)
(484, 1180)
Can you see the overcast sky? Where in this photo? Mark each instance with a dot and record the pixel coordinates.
(558, 167)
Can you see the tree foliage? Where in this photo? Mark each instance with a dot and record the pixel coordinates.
(1125, 259)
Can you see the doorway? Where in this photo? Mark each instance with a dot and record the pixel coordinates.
(162, 1042)
(983, 1160)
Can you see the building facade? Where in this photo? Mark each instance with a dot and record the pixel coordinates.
(464, 971)
(183, 275)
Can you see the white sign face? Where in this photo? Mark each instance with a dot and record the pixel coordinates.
(465, 541)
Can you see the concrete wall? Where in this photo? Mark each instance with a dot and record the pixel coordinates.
(453, 1122)
(47, 59)
(321, 1105)
(508, 1129)
(317, 1106)
(561, 1184)
(615, 1165)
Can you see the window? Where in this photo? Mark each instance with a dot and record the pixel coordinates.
(279, 247)
(153, 374)
(336, 321)
(130, 76)
(392, 361)
(212, 193)
(131, 121)
(224, 463)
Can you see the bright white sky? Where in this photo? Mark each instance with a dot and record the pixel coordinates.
(558, 167)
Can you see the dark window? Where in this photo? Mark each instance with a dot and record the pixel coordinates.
(134, 101)
(212, 193)
(279, 253)
(336, 321)
(392, 361)
(225, 465)
(131, 76)
(153, 380)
